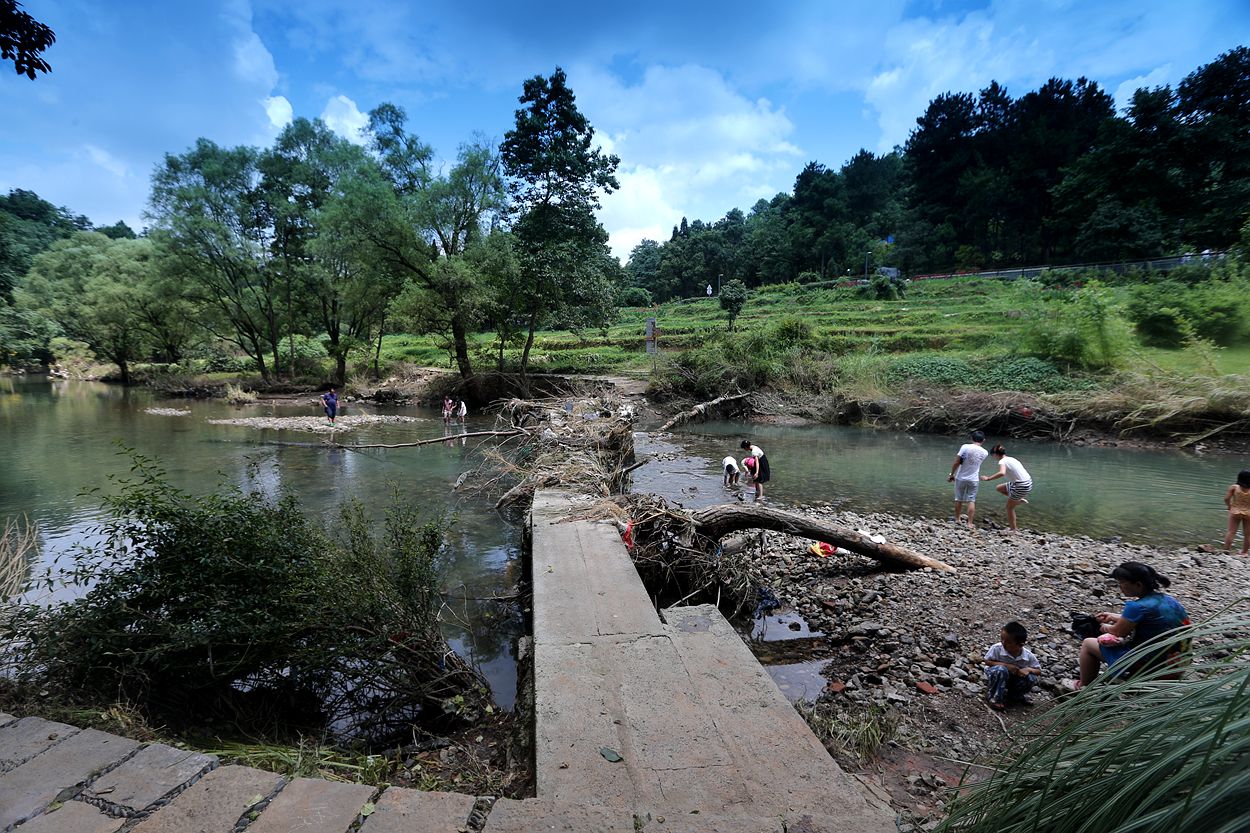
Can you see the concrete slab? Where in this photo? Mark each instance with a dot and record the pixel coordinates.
(413, 811)
(37, 783)
(214, 803)
(26, 738)
(784, 768)
(584, 581)
(152, 774)
(73, 817)
(310, 805)
(533, 816)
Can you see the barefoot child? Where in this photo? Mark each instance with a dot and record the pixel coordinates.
(1237, 499)
(1018, 484)
(730, 467)
(1011, 669)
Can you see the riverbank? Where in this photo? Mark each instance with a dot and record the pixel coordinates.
(902, 650)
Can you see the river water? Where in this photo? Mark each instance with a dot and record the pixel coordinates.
(1163, 497)
(60, 439)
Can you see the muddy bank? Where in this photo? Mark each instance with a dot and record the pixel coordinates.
(905, 648)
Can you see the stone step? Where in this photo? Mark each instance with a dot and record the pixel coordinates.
(310, 805)
(401, 810)
(73, 817)
(24, 739)
(155, 772)
(214, 803)
(57, 773)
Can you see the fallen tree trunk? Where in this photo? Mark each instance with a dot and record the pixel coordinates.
(705, 410)
(715, 522)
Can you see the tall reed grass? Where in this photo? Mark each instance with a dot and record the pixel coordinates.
(1143, 755)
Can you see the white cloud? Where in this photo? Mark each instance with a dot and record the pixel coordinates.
(687, 140)
(1157, 77)
(105, 160)
(279, 111)
(343, 117)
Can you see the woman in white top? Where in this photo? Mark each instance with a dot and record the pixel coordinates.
(1018, 484)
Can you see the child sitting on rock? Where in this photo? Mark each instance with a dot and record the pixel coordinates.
(1012, 669)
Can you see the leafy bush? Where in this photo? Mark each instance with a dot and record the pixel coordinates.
(1086, 329)
(792, 332)
(807, 277)
(1023, 373)
(301, 354)
(940, 370)
(633, 296)
(1215, 310)
(222, 606)
(883, 288)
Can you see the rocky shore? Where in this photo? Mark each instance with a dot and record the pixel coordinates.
(904, 648)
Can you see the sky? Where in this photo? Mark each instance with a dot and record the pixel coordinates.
(710, 106)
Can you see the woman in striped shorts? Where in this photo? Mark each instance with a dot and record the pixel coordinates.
(1018, 484)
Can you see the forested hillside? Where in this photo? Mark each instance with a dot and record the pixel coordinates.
(1051, 177)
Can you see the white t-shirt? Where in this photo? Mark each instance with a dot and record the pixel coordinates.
(972, 456)
(756, 451)
(728, 462)
(1015, 471)
(997, 653)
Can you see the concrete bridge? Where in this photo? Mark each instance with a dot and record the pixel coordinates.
(644, 721)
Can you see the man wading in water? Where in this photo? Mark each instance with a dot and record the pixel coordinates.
(330, 401)
(966, 475)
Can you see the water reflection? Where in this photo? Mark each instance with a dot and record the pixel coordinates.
(61, 438)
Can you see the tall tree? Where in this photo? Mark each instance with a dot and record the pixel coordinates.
(555, 178)
(430, 218)
(204, 206)
(23, 39)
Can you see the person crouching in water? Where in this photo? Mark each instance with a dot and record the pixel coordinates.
(1018, 484)
(1011, 669)
(761, 473)
(730, 466)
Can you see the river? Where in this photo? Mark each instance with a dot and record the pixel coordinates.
(61, 439)
(1161, 497)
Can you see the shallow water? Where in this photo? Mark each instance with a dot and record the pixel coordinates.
(1150, 496)
(60, 439)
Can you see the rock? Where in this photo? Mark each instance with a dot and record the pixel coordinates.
(951, 640)
(926, 688)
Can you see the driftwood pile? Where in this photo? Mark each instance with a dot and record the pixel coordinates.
(698, 555)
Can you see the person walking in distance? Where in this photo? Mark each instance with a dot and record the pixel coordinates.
(966, 475)
(330, 402)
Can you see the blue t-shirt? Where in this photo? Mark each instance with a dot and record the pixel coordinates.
(1155, 614)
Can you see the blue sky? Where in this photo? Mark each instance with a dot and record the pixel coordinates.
(709, 105)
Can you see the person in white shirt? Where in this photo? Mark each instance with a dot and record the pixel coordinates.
(730, 467)
(1018, 484)
(762, 473)
(964, 473)
(1011, 669)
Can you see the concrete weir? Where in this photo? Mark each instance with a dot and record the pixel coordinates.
(644, 721)
(662, 715)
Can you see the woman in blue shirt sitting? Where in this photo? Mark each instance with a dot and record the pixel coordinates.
(1148, 615)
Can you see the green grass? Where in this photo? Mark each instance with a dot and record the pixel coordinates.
(1233, 360)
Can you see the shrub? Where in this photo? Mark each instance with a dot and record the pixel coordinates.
(633, 296)
(791, 332)
(940, 370)
(1214, 309)
(236, 395)
(1086, 329)
(1023, 373)
(199, 607)
(807, 277)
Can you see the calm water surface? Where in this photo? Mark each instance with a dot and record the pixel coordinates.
(1161, 497)
(60, 439)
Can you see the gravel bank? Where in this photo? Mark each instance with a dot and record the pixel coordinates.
(910, 643)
